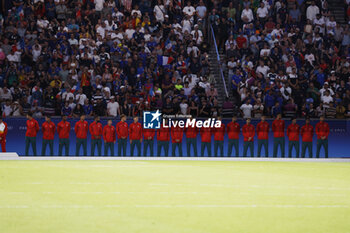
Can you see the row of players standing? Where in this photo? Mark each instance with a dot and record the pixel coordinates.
(110, 134)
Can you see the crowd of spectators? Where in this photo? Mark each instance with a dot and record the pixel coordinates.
(112, 57)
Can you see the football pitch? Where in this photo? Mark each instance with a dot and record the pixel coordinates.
(174, 196)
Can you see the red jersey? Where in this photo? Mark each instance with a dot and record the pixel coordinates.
(96, 130)
(322, 130)
(176, 134)
(63, 129)
(191, 132)
(81, 129)
(248, 131)
(109, 133)
(163, 134)
(219, 133)
(233, 130)
(32, 128)
(122, 129)
(206, 134)
(262, 130)
(293, 131)
(307, 132)
(48, 130)
(278, 128)
(135, 131)
(3, 130)
(149, 134)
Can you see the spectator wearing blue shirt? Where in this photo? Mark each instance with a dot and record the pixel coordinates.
(235, 80)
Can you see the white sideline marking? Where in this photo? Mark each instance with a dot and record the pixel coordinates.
(170, 206)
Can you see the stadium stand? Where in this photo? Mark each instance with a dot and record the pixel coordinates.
(107, 58)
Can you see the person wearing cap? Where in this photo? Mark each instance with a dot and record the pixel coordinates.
(135, 132)
(81, 129)
(219, 134)
(233, 130)
(307, 132)
(163, 138)
(122, 130)
(278, 126)
(63, 129)
(148, 142)
(322, 132)
(109, 137)
(3, 133)
(96, 135)
(191, 139)
(293, 131)
(48, 128)
(32, 131)
(206, 133)
(176, 140)
(248, 132)
(262, 131)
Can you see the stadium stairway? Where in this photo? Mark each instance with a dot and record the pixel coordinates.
(337, 9)
(215, 74)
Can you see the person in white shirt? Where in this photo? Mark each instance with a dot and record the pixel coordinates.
(113, 107)
(99, 5)
(159, 11)
(319, 23)
(201, 10)
(247, 15)
(189, 10)
(80, 97)
(326, 88)
(262, 68)
(262, 12)
(312, 11)
(7, 109)
(326, 99)
(183, 107)
(247, 109)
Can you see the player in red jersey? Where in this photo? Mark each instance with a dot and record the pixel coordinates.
(32, 130)
(122, 130)
(293, 131)
(219, 134)
(81, 129)
(191, 139)
(63, 129)
(233, 130)
(307, 132)
(109, 137)
(48, 128)
(96, 135)
(148, 140)
(278, 133)
(262, 131)
(176, 140)
(3, 133)
(248, 132)
(206, 133)
(135, 132)
(322, 132)
(163, 138)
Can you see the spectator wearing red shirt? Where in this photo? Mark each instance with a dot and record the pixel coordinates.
(206, 134)
(233, 130)
(48, 128)
(176, 140)
(122, 133)
(278, 133)
(248, 132)
(109, 137)
(322, 132)
(81, 129)
(262, 131)
(32, 130)
(163, 137)
(148, 140)
(63, 129)
(191, 139)
(3, 133)
(135, 135)
(293, 131)
(96, 135)
(219, 134)
(307, 132)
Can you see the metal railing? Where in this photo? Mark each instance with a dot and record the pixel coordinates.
(218, 59)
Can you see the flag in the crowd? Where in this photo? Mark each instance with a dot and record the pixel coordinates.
(163, 60)
(179, 2)
(59, 94)
(75, 88)
(151, 92)
(168, 45)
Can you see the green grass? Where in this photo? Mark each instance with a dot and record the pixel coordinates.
(173, 196)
